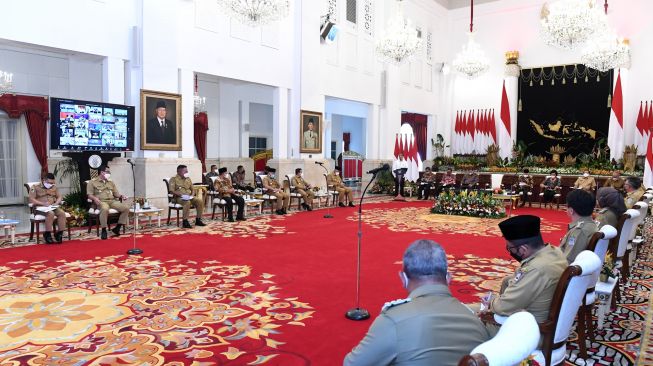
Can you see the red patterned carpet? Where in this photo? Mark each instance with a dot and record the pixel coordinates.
(272, 290)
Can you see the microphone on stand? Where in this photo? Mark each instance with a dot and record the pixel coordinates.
(130, 162)
(381, 168)
(319, 163)
(134, 250)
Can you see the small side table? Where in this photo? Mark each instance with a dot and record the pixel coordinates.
(253, 203)
(604, 292)
(152, 211)
(9, 227)
(319, 196)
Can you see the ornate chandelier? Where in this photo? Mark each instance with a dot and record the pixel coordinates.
(6, 82)
(199, 103)
(471, 61)
(568, 23)
(605, 50)
(399, 41)
(256, 12)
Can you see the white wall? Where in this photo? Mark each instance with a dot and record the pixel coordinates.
(356, 127)
(260, 122)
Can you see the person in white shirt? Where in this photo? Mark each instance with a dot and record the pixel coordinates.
(398, 172)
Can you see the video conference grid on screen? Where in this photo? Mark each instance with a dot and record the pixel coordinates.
(92, 127)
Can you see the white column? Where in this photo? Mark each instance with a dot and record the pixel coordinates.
(512, 90)
(373, 127)
(186, 80)
(113, 80)
(280, 123)
(390, 114)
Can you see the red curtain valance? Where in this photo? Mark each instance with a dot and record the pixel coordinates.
(36, 114)
(201, 126)
(419, 124)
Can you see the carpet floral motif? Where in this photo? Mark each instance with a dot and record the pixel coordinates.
(421, 220)
(137, 311)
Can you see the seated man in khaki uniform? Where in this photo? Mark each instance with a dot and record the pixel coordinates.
(303, 188)
(533, 285)
(228, 193)
(580, 205)
(273, 188)
(585, 182)
(430, 327)
(182, 188)
(46, 194)
(334, 180)
(104, 193)
(615, 182)
(634, 191)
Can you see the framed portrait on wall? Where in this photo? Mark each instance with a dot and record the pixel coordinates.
(160, 120)
(310, 136)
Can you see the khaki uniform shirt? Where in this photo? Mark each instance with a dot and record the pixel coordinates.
(577, 237)
(617, 184)
(431, 327)
(607, 217)
(532, 286)
(428, 177)
(40, 193)
(223, 186)
(269, 182)
(104, 190)
(239, 178)
(334, 180)
(181, 184)
(585, 183)
(633, 197)
(470, 179)
(299, 182)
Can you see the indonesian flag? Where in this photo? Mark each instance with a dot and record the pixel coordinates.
(641, 135)
(464, 133)
(493, 128)
(648, 163)
(456, 136)
(616, 128)
(397, 147)
(503, 133)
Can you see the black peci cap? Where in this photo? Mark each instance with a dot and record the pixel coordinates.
(161, 104)
(222, 170)
(520, 227)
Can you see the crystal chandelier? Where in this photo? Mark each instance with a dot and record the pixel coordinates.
(605, 51)
(399, 41)
(471, 61)
(6, 82)
(199, 103)
(256, 12)
(568, 23)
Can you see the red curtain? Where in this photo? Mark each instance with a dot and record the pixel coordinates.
(419, 124)
(36, 114)
(346, 138)
(201, 126)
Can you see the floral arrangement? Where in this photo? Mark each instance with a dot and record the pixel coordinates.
(77, 215)
(468, 203)
(529, 361)
(608, 270)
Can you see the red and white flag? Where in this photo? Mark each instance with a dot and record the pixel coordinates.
(641, 135)
(456, 136)
(397, 147)
(493, 128)
(648, 163)
(616, 127)
(503, 133)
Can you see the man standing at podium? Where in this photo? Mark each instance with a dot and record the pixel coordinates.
(399, 168)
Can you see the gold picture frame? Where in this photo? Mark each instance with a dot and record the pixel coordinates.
(310, 140)
(160, 129)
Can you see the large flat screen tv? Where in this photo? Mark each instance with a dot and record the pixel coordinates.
(79, 125)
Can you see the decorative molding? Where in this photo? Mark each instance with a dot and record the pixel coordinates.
(368, 17)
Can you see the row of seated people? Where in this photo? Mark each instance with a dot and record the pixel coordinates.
(432, 326)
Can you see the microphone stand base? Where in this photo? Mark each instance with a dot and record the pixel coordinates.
(400, 198)
(134, 251)
(327, 216)
(357, 314)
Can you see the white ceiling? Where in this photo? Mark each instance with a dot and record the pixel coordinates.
(454, 4)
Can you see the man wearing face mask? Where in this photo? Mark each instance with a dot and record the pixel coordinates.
(524, 186)
(181, 187)
(580, 205)
(43, 195)
(585, 182)
(227, 192)
(615, 182)
(533, 285)
(634, 191)
(239, 180)
(213, 172)
(430, 327)
(104, 193)
(303, 188)
(273, 188)
(334, 180)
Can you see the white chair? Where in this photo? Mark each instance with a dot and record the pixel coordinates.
(37, 217)
(647, 198)
(94, 213)
(599, 245)
(566, 301)
(294, 194)
(517, 339)
(626, 234)
(496, 180)
(270, 199)
(216, 200)
(636, 242)
(331, 192)
(556, 196)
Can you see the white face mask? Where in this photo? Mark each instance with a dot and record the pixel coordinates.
(271, 175)
(186, 175)
(337, 173)
(404, 279)
(47, 185)
(615, 178)
(107, 176)
(586, 175)
(301, 175)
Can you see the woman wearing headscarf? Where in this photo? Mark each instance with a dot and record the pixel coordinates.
(612, 206)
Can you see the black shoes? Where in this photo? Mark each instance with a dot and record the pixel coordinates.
(351, 204)
(284, 211)
(47, 236)
(231, 219)
(103, 234)
(58, 236)
(198, 222)
(340, 204)
(186, 225)
(116, 229)
(240, 218)
(279, 212)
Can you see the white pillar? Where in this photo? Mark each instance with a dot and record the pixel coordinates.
(373, 126)
(391, 114)
(186, 84)
(280, 123)
(113, 80)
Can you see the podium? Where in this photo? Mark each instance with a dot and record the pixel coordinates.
(399, 185)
